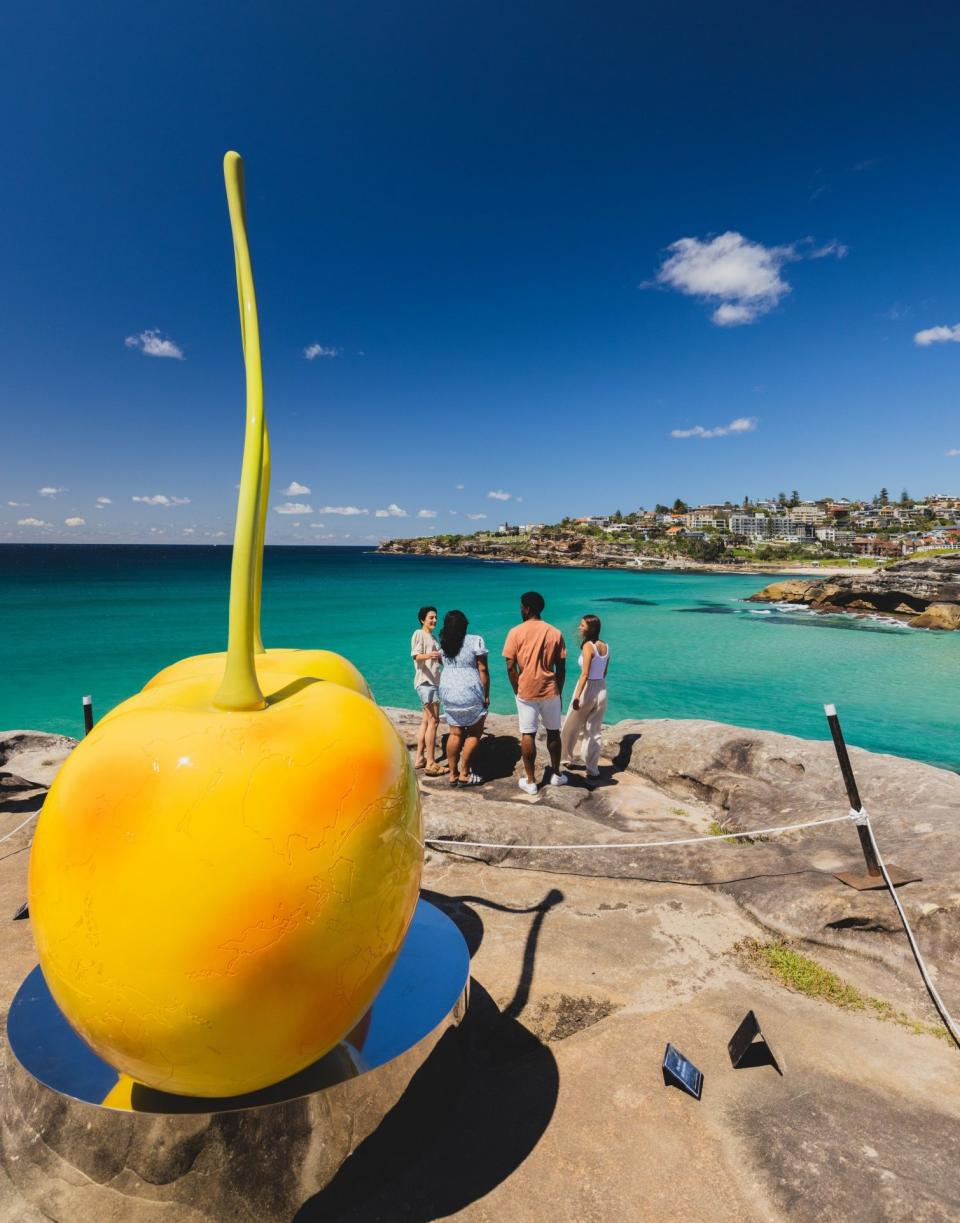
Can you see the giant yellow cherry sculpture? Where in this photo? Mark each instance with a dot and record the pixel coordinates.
(226, 867)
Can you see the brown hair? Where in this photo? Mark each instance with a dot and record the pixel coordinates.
(592, 632)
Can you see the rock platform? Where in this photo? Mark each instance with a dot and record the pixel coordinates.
(585, 964)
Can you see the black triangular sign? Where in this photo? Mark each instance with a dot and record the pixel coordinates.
(746, 1050)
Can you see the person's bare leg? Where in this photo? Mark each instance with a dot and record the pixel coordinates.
(528, 754)
(454, 741)
(469, 746)
(420, 759)
(432, 714)
(553, 747)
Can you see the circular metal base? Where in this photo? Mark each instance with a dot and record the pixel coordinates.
(85, 1143)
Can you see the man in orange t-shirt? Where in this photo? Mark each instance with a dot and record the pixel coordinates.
(536, 668)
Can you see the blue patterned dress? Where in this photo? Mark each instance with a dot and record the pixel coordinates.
(461, 689)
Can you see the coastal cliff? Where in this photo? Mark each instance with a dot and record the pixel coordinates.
(923, 591)
(568, 548)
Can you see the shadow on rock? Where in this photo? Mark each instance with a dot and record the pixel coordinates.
(470, 1116)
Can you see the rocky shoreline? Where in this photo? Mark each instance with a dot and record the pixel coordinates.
(588, 553)
(923, 593)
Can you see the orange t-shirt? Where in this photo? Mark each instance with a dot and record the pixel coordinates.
(537, 647)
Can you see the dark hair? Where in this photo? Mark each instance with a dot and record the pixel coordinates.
(453, 632)
(593, 628)
(422, 613)
(533, 602)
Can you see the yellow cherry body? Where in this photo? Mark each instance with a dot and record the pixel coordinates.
(218, 896)
(317, 664)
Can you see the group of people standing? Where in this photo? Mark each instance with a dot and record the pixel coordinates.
(454, 671)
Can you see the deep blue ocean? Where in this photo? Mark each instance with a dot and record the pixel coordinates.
(101, 620)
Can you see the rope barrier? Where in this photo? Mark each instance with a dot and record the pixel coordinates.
(32, 816)
(721, 836)
(935, 998)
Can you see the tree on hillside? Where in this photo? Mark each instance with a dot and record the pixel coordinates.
(794, 499)
(616, 516)
(746, 502)
(661, 509)
(781, 499)
(883, 497)
(905, 498)
(680, 507)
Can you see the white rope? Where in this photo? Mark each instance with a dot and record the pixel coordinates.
(32, 816)
(722, 836)
(938, 1002)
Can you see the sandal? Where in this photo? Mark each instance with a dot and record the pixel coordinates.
(435, 770)
(471, 779)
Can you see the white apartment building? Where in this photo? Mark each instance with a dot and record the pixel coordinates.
(833, 535)
(774, 526)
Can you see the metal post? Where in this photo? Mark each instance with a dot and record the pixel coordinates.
(874, 876)
(87, 714)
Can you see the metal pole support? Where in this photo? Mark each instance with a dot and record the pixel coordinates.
(874, 876)
(87, 714)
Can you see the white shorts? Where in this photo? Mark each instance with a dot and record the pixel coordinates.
(548, 711)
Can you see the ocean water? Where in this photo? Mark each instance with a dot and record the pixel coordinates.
(101, 620)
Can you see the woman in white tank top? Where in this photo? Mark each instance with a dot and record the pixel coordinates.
(583, 724)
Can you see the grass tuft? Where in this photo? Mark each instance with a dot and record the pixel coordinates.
(777, 959)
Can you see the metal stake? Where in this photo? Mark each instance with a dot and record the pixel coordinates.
(874, 876)
(87, 714)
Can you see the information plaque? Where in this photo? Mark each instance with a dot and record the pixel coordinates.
(679, 1072)
(746, 1050)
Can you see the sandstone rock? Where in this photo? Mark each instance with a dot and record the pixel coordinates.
(907, 588)
(794, 590)
(938, 615)
(33, 755)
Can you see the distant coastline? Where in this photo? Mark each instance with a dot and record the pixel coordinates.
(596, 558)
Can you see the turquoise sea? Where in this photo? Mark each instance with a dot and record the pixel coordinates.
(80, 619)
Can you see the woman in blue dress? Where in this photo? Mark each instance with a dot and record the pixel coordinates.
(465, 694)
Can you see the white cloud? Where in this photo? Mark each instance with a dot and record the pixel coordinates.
(189, 531)
(459, 488)
(938, 335)
(49, 491)
(497, 494)
(74, 522)
(743, 424)
(312, 351)
(295, 489)
(317, 526)
(392, 511)
(104, 501)
(18, 505)
(293, 507)
(952, 454)
(426, 513)
(33, 522)
(743, 276)
(476, 517)
(348, 511)
(162, 499)
(152, 344)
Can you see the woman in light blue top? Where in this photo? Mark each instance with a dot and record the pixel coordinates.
(465, 693)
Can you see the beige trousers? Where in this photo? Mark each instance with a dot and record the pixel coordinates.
(582, 727)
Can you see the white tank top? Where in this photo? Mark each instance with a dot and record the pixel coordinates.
(598, 663)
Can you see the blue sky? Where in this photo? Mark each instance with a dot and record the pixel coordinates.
(531, 242)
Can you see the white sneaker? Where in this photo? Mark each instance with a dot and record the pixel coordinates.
(528, 787)
(558, 779)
